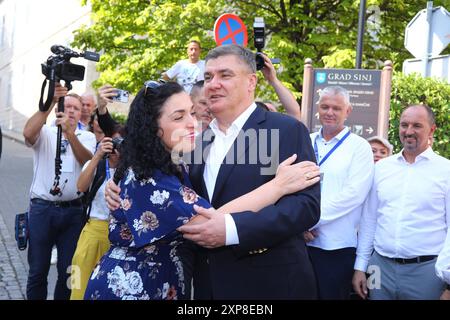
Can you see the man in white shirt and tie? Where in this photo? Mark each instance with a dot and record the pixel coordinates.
(405, 220)
(346, 166)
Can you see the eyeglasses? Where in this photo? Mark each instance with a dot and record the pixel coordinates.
(152, 85)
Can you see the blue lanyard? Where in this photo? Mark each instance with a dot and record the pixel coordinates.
(108, 176)
(316, 150)
(80, 127)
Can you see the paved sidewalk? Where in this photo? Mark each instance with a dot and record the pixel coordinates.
(13, 273)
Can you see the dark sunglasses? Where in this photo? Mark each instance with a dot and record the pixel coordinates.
(152, 86)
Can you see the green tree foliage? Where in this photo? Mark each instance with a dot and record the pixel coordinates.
(119, 117)
(139, 39)
(413, 89)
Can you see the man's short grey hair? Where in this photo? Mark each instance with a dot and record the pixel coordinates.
(334, 91)
(90, 95)
(244, 54)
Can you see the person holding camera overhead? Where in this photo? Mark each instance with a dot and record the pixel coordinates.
(286, 97)
(189, 71)
(93, 242)
(55, 219)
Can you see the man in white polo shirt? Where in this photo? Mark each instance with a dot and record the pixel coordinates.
(189, 71)
(346, 166)
(55, 219)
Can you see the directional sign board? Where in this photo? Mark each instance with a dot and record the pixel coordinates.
(416, 32)
(364, 90)
(229, 29)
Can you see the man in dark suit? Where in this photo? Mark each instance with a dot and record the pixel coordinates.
(249, 255)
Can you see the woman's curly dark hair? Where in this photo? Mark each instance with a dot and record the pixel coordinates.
(142, 149)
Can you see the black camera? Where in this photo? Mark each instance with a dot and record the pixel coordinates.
(21, 230)
(117, 141)
(259, 35)
(59, 67)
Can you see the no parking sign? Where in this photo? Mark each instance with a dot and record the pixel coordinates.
(229, 29)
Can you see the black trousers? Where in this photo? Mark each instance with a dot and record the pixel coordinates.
(334, 272)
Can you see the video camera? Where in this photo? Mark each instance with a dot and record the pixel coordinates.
(58, 65)
(259, 36)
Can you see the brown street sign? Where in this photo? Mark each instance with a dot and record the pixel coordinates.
(364, 89)
(369, 92)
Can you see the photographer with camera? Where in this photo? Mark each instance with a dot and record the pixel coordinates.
(55, 218)
(93, 242)
(265, 65)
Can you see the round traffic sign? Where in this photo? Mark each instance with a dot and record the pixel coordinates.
(229, 29)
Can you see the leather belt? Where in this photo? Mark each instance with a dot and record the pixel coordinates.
(413, 260)
(60, 204)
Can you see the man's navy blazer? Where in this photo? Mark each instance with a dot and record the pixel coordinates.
(271, 260)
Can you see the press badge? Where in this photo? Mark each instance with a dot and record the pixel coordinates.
(67, 163)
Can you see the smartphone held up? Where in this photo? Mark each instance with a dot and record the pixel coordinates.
(121, 96)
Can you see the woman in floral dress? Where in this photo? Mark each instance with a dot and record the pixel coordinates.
(156, 198)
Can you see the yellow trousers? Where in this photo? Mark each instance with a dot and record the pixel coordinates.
(92, 245)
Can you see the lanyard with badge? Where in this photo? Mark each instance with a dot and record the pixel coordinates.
(316, 150)
(108, 175)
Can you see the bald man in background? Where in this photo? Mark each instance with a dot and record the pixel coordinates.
(88, 105)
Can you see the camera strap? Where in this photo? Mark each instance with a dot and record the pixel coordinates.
(51, 92)
(99, 178)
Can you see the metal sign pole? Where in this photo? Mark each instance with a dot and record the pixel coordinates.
(361, 22)
(427, 39)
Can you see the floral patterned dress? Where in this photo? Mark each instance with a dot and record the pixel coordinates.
(142, 262)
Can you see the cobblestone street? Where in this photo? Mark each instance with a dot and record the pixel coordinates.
(13, 273)
(16, 167)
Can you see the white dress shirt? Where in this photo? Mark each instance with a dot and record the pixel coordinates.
(346, 180)
(219, 148)
(44, 164)
(99, 209)
(443, 261)
(407, 213)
